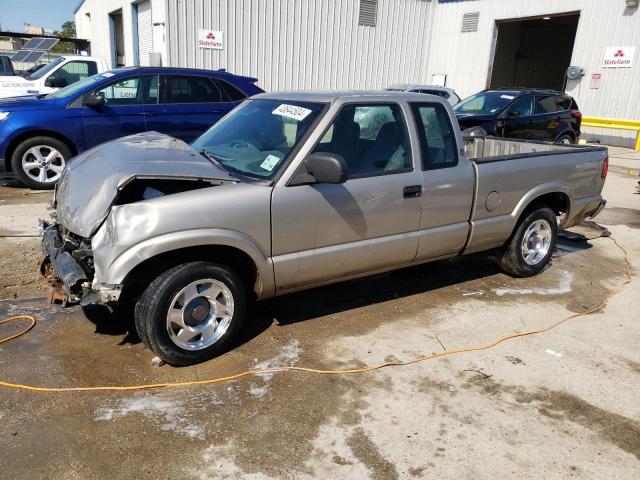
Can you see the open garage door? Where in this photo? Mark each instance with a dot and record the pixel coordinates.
(533, 52)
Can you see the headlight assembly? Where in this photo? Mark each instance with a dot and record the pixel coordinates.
(4, 115)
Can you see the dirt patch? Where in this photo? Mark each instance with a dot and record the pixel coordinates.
(12, 193)
(561, 406)
(19, 277)
(366, 451)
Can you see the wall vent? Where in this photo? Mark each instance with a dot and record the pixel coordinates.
(368, 13)
(470, 22)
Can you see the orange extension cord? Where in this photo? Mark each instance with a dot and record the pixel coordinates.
(422, 358)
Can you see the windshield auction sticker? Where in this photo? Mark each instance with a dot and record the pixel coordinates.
(269, 163)
(292, 111)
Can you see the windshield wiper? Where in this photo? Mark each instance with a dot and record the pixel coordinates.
(211, 157)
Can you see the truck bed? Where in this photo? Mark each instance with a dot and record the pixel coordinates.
(511, 173)
(481, 149)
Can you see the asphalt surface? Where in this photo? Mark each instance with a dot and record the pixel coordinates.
(563, 404)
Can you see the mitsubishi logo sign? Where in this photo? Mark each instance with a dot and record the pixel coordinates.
(619, 57)
(210, 39)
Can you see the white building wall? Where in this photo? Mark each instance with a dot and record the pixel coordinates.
(466, 57)
(305, 44)
(95, 27)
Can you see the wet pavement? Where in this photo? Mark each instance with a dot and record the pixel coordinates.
(558, 405)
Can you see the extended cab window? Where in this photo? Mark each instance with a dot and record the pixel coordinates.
(371, 138)
(437, 139)
(189, 89)
(75, 71)
(131, 91)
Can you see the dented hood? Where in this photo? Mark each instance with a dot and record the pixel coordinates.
(91, 181)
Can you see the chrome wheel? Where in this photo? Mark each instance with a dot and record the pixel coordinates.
(200, 314)
(536, 242)
(565, 141)
(43, 163)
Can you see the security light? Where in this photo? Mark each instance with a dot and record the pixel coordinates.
(632, 3)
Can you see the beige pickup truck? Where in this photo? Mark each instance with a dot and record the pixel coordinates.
(290, 191)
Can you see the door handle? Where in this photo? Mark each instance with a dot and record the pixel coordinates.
(412, 191)
(146, 114)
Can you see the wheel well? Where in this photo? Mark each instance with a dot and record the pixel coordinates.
(143, 274)
(36, 133)
(556, 201)
(570, 133)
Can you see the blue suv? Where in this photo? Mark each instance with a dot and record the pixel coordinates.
(39, 134)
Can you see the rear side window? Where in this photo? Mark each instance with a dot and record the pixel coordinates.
(189, 89)
(437, 139)
(564, 103)
(230, 93)
(546, 104)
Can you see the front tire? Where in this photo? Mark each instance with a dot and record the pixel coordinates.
(38, 162)
(529, 249)
(191, 312)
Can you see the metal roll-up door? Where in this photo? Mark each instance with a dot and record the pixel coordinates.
(145, 32)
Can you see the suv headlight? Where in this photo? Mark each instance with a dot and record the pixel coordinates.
(4, 115)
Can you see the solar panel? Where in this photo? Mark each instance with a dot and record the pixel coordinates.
(47, 43)
(20, 56)
(33, 43)
(34, 56)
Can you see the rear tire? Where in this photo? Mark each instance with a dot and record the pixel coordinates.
(531, 245)
(38, 162)
(566, 139)
(191, 312)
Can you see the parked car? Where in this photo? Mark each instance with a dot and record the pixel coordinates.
(6, 67)
(291, 191)
(39, 134)
(447, 93)
(544, 115)
(59, 73)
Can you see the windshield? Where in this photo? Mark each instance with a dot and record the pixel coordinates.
(41, 72)
(77, 87)
(485, 102)
(256, 138)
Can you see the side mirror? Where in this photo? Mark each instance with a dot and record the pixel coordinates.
(55, 82)
(327, 167)
(93, 100)
(513, 114)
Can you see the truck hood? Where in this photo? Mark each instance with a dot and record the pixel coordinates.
(92, 181)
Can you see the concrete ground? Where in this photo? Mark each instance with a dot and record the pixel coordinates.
(563, 404)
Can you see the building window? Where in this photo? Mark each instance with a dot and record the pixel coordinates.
(368, 13)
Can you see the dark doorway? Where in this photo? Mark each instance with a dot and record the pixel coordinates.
(117, 39)
(534, 52)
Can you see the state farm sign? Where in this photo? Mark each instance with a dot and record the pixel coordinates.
(619, 57)
(210, 39)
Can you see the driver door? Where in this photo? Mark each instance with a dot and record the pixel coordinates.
(123, 111)
(324, 232)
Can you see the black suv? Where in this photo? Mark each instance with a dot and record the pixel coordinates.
(530, 114)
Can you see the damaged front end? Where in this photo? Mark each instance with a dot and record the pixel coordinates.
(67, 266)
(129, 171)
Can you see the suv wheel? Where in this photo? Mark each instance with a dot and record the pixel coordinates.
(38, 162)
(565, 139)
(191, 312)
(531, 245)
